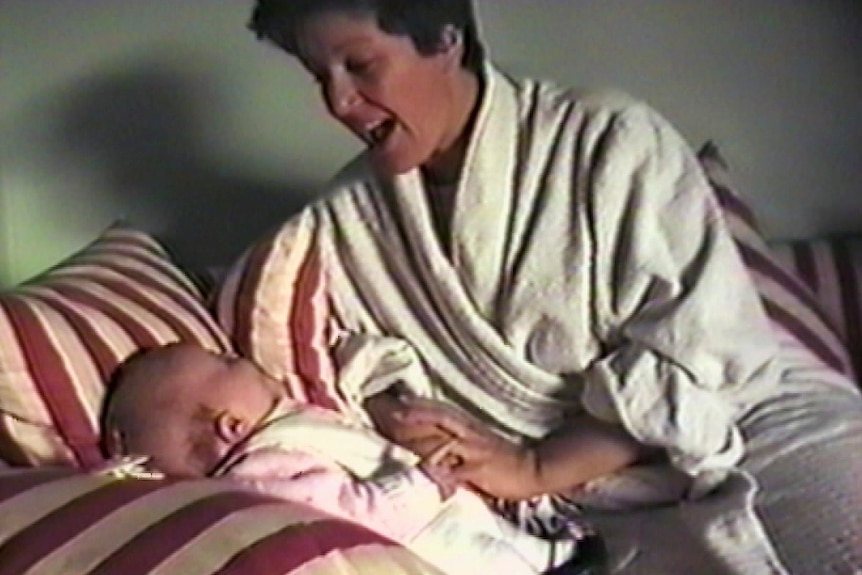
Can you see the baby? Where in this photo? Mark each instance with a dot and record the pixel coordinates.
(197, 414)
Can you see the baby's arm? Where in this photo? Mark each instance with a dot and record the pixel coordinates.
(397, 505)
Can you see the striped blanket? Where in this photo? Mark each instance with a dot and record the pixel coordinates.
(62, 522)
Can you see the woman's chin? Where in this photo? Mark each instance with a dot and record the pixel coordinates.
(388, 166)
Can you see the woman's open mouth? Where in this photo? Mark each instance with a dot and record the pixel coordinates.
(377, 134)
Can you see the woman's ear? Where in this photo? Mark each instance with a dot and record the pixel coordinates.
(452, 46)
(231, 428)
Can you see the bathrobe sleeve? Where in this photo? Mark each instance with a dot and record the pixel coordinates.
(684, 330)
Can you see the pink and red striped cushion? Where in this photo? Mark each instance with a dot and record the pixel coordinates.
(832, 269)
(58, 522)
(791, 304)
(273, 303)
(64, 332)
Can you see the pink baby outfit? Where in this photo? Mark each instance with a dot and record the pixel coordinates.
(316, 457)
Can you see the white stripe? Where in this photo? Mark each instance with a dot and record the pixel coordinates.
(213, 547)
(29, 506)
(86, 550)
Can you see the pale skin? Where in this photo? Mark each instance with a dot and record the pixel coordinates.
(370, 78)
(180, 391)
(186, 408)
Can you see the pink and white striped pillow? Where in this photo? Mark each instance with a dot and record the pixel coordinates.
(790, 303)
(832, 269)
(66, 523)
(63, 333)
(274, 305)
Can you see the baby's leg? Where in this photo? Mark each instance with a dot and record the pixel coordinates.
(467, 530)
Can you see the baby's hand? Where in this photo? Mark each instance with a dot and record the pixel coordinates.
(128, 467)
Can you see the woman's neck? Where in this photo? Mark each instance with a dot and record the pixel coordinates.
(444, 167)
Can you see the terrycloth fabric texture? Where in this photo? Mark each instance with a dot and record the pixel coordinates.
(64, 332)
(58, 522)
(588, 269)
(368, 365)
(567, 288)
(310, 456)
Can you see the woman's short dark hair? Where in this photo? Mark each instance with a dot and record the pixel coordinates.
(278, 21)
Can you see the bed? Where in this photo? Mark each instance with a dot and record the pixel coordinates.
(62, 334)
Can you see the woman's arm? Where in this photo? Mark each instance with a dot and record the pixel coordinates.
(585, 449)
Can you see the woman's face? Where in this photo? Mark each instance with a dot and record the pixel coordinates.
(405, 106)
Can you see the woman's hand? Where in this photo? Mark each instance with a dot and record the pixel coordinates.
(489, 463)
(388, 413)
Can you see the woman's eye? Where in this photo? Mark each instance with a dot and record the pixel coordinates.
(360, 67)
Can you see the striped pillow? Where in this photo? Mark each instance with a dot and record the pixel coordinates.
(832, 269)
(273, 304)
(791, 305)
(64, 332)
(66, 523)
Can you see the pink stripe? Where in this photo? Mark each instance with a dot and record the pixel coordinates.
(849, 285)
(761, 263)
(247, 294)
(133, 326)
(49, 375)
(184, 300)
(806, 267)
(308, 330)
(732, 203)
(38, 540)
(13, 484)
(158, 274)
(294, 546)
(158, 541)
(807, 337)
(83, 326)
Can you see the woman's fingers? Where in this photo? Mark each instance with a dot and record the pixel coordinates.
(440, 453)
(429, 412)
(472, 449)
(425, 446)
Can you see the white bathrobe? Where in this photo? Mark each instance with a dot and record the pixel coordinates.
(589, 268)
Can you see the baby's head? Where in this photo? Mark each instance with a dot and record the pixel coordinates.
(185, 407)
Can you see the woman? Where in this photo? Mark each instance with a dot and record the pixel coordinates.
(561, 266)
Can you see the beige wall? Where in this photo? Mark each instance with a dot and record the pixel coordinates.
(170, 114)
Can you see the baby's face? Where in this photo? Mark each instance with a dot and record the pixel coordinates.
(230, 394)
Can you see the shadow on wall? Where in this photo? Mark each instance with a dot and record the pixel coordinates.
(144, 130)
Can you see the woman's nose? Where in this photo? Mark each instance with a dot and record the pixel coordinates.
(341, 96)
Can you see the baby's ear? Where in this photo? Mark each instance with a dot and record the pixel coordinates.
(231, 428)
